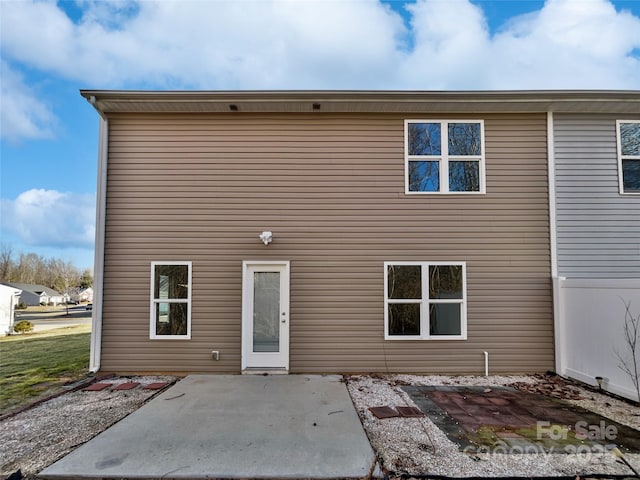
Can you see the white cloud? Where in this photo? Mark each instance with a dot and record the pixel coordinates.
(451, 46)
(568, 44)
(22, 114)
(50, 218)
(222, 44)
(359, 44)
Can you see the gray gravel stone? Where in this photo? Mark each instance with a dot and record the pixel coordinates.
(36, 438)
(416, 446)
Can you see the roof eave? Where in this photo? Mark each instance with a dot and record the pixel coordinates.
(570, 101)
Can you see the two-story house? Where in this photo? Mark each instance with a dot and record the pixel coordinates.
(335, 231)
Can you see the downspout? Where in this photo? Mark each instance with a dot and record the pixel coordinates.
(98, 266)
(558, 326)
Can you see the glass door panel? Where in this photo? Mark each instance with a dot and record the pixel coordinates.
(266, 312)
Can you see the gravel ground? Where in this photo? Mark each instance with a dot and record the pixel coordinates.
(416, 446)
(38, 437)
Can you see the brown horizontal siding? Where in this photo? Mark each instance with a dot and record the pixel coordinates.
(331, 188)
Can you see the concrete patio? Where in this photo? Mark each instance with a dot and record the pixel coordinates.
(231, 426)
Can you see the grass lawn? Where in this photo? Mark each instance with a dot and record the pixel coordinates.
(35, 365)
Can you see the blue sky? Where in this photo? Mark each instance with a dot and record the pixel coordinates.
(50, 50)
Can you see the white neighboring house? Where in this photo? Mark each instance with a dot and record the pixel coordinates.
(9, 297)
(82, 295)
(33, 295)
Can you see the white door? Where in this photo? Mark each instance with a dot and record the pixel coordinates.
(265, 315)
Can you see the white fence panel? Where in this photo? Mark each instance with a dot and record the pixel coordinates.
(590, 330)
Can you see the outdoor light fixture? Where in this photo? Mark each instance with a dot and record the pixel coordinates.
(266, 237)
(599, 380)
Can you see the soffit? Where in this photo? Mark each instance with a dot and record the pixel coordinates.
(619, 102)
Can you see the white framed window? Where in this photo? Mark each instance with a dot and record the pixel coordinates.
(425, 301)
(628, 138)
(170, 300)
(444, 157)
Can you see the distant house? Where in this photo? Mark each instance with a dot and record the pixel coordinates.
(33, 295)
(8, 301)
(82, 295)
(352, 231)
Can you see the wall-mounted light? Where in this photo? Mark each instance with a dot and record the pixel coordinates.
(266, 237)
(233, 107)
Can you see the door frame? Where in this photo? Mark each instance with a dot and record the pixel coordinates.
(279, 362)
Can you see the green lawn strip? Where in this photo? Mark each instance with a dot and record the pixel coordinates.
(33, 366)
(54, 332)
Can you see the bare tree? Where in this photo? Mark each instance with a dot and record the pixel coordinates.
(28, 267)
(6, 262)
(66, 276)
(32, 268)
(630, 365)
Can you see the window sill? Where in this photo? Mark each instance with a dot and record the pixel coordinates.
(170, 337)
(425, 339)
(444, 193)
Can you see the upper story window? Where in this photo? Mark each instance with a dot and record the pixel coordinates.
(425, 301)
(444, 156)
(628, 133)
(170, 300)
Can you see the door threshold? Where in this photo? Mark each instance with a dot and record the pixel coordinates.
(265, 371)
